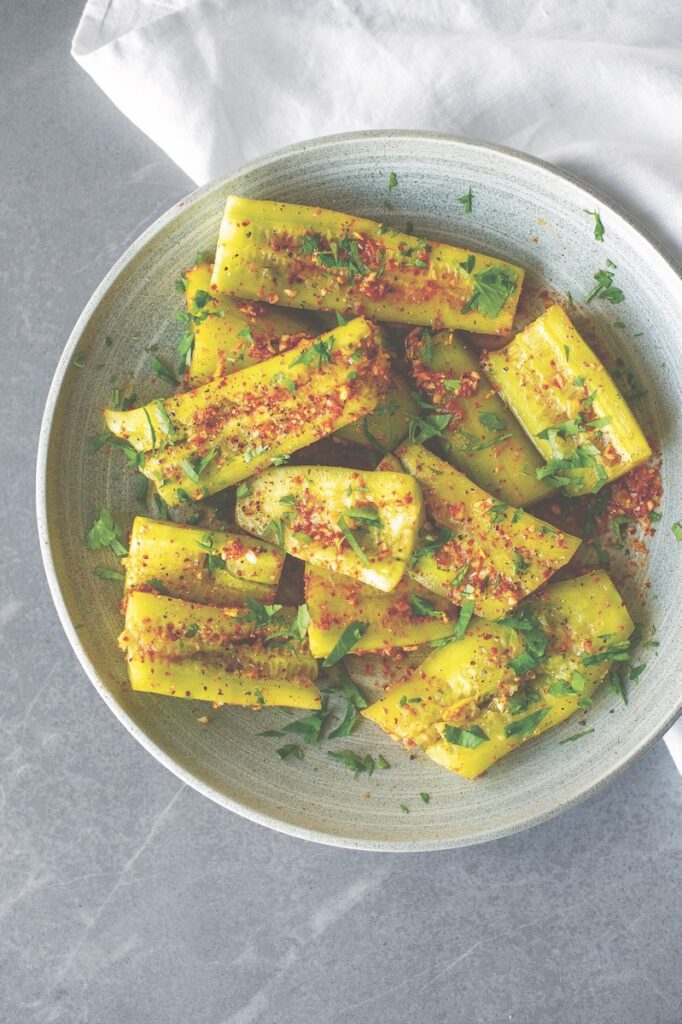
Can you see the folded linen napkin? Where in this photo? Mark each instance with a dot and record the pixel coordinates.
(591, 86)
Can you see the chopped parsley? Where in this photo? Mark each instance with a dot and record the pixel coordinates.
(393, 180)
(109, 574)
(467, 201)
(310, 727)
(604, 288)
(617, 651)
(520, 563)
(320, 351)
(368, 516)
(576, 736)
(493, 422)
(423, 428)
(469, 738)
(677, 531)
(523, 621)
(598, 226)
(469, 263)
(291, 748)
(465, 614)
(492, 288)
(163, 371)
(460, 575)
(105, 533)
(473, 444)
(355, 701)
(524, 727)
(351, 539)
(286, 382)
(420, 606)
(252, 453)
(432, 544)
(498, 511)
(356, 762)
(351, 635)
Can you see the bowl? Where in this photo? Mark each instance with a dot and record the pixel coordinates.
(523, 210)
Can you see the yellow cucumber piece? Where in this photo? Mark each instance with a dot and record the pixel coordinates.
(251, 419)
(231, 334)
(384, 429)
(309, 258)
(558, 388)
(195, 651)
(580, 617)
(447, 372)
(186, 562)
(410, 615)
(495, 555)
(359, 524)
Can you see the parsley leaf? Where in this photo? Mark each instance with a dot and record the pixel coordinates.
(163, 371)
(352, 542)
(109, 574)
(105, 533)
(492, 288)
(423, 428)
(420, 606)
(432, 544)
(291, 748)
(356, 762)
(286, 382)
(469, 738)
(393, 180)
(677, 531)
(310, 727)
(474, 445)
(524, 727)
(320, 351)
(576, 736)
(351, 635)
(493, 422)
(299, 627)
(598, 226)
(465, 614)
(355, 700)
(605, 289)
(467, 200)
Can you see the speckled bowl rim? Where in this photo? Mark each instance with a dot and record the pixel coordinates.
(531, 819)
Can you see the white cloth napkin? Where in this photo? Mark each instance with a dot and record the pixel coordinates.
(592, 85)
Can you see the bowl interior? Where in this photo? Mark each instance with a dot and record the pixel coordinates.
(522, 211)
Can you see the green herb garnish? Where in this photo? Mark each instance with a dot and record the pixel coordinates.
(351, 635)
(356, 762)
(352, 542)
(492, 288)
(105, 533)
(575, 736)
(291, 748)
(469, 738)
(420, 606)
(598, 226)
(465, 614)
(467, 200)
(524, 727)
(109, 574)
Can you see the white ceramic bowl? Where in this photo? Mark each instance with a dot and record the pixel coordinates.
(525, 211)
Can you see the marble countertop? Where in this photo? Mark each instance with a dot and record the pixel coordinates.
(127, 898)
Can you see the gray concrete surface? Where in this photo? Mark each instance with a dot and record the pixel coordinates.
(126, 898)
